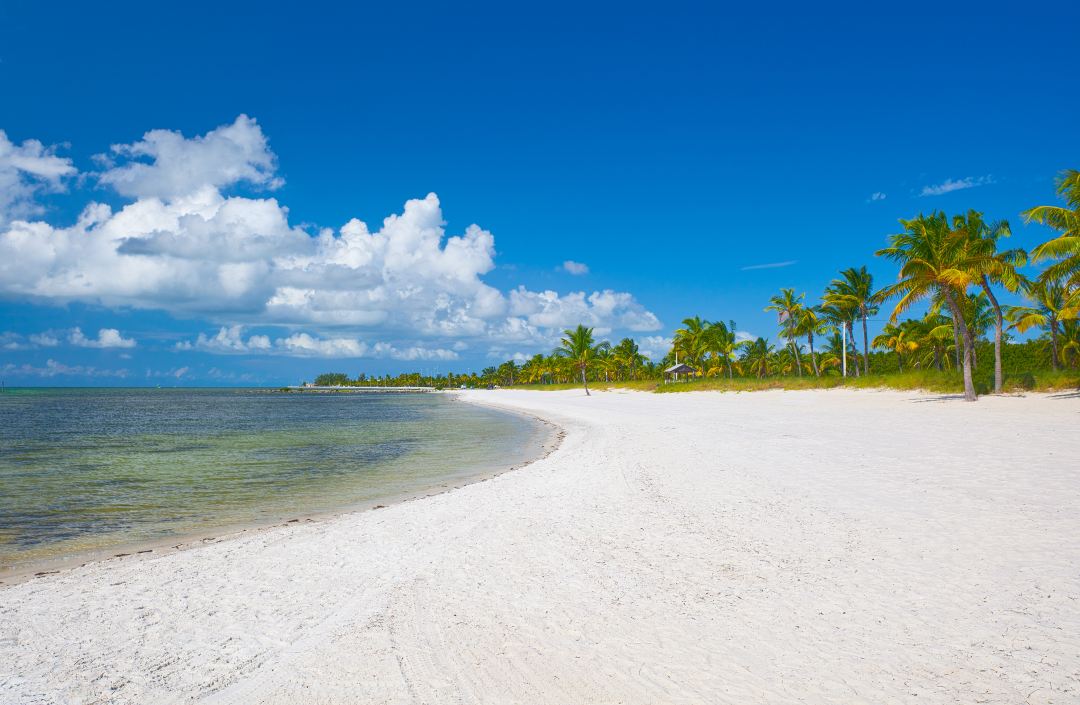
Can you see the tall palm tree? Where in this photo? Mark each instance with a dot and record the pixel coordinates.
(1050, 304)
(993, 267)
(788, 308)
(578, 346)
(932, 259)
(1065, 247)
(855, 287)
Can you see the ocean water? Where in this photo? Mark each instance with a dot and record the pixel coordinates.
(88, 470)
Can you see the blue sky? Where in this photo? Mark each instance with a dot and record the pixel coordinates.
(671, 150)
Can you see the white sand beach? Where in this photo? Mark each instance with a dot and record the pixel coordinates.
(773, 547)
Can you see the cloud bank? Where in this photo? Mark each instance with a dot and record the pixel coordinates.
(231, 339)
(185, 246)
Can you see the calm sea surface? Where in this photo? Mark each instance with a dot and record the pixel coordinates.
(84, 470)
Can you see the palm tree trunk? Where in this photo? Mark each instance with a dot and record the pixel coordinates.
(585, 381)
(1054, 345)
(813, 357)
(853, 347)
(937, 357)
(798, 360)
(865, 348)
(956, 341)
(969, 344)
(900, 361)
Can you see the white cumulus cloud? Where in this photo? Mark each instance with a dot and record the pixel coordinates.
(26, 170)
(305, 344)
(603, 310)
(654, 347)
(165, 164)
(106, 338)
(44, 340)
(184, 247)
(576, 268)
(230, 339)
(227, 339)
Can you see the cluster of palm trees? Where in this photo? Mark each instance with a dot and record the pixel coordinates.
(580, 356)
(955, 265)
(952, 264)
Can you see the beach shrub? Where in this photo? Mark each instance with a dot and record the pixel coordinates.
(1023, 380)
(332, 379)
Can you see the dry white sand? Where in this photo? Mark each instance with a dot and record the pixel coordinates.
(787, 547)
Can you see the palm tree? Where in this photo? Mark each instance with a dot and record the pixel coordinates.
(788, 309)
(720, 341)
(899, 340)
(840, 314)
(993, 267)
(606, 362)
(692, 340)
(578, 346)
(1070, 336)
(810, 323)
(979, 317)
(506, 373)
(628, 356)
(757, 356)
(932, 260)
(1051, 303)
(931, 333)
(784, 361)
(1066, 246)
(855, 288)
(832, 354)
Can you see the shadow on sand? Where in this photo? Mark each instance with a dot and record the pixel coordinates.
(938, 398)
(1075, 394)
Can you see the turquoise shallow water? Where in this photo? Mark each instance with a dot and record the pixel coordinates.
(83, 470)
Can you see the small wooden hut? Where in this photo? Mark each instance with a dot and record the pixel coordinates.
(673, 372)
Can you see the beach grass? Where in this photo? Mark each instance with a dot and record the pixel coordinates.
(948, 382)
